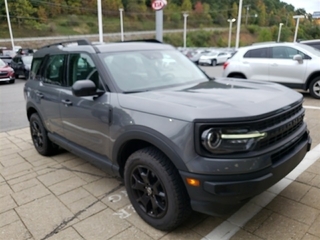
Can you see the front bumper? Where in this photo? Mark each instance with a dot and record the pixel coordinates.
(6, 79)
(219, 195)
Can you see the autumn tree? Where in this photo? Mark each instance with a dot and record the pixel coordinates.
(261, 13)
(42, 15)
(186, 5)
(22, 11)
(112, 7)
(235, 10)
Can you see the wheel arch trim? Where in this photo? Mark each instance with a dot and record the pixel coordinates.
(153, 138)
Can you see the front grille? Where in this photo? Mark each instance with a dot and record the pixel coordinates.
(281, 126)
(3, 74)
(280, 154)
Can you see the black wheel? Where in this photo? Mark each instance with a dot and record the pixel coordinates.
(214, 62)
(40, 138)
(156, 190)
(12, 81)
(26, 74)
(314, 88)
(237, 76)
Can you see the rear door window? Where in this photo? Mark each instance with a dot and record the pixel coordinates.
(257, 53)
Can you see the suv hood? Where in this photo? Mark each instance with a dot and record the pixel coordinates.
(218, 99)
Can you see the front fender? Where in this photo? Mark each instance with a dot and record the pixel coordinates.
(153, 137)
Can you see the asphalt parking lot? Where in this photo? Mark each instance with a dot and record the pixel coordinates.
(64, 197)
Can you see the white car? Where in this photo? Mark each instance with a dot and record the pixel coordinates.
(214, 58)
(294, 65)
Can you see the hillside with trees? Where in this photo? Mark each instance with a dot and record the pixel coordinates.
(261, 18)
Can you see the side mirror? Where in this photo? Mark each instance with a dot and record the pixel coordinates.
(298, 58)
(84, 88)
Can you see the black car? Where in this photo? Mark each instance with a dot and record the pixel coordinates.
(21, 65)
(25, 51)
(181, 140)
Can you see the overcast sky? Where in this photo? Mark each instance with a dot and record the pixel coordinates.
(309, 5)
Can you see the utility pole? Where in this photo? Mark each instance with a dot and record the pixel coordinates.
(248, 7)
(100, 21)
(239, 24)
(9, 24)
(185, 15)
(121, 24)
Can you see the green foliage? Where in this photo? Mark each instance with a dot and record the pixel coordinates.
(199, 38)
(253, 29)
(70, 16)
(265, 35)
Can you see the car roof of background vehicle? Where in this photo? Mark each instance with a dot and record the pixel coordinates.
(310, 41)
(270, 44)
(84, 45)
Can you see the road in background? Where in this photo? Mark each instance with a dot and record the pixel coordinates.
(213, 71)
(12, 106)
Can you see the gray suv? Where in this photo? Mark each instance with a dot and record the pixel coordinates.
(180, 140)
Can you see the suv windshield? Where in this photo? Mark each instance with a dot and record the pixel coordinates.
(145, 70)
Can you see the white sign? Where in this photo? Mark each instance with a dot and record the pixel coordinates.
(158, 4)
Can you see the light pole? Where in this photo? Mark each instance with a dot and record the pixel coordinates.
(279, 34)
(121, 24)
(9, 24)
(185, 15)
(100, 21)
(239, 24)
(248, 7)
(230, 29)
(297, 26)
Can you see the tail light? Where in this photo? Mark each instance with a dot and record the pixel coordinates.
(225, 65)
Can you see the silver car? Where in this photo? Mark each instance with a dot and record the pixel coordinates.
(294, 65)
(214, 58)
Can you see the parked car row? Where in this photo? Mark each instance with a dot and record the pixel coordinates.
(16, 66)
(208, 56)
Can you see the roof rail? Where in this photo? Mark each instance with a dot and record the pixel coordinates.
(144, 40)
(79, 42)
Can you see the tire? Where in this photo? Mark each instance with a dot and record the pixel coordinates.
(214, 63)
(26, 74)
(156, 190)
(238, 76)
(39, 136)
(314, 88)
(12, 81)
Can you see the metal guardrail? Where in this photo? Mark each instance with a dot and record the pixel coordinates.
(104, 35)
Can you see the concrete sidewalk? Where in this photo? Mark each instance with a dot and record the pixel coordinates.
(64, 197)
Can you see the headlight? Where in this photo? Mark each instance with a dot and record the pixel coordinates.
(221, 141)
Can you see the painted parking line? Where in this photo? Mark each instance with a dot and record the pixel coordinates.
(311, 107)
(233, 224)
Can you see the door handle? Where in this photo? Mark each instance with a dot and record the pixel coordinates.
(39, 94)
(66, 102)
(274, 65)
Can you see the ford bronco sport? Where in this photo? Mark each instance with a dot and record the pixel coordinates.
(181, 141)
